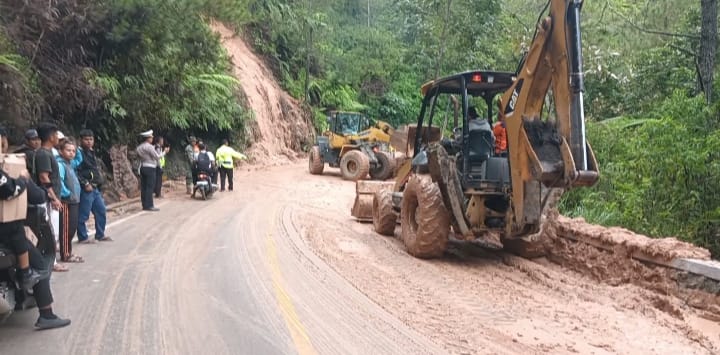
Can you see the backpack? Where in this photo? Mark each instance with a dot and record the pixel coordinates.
(203, 162)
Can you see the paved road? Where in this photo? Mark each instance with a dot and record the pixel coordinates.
(225, 276)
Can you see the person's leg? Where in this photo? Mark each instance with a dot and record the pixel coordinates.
(12, 234)
(148, 186)
(64, 233)
(189, 179)
(100, 212)
(222, 179)
(87, 199)
(43, 296)
(158, 182)
(230, 173)
(55, 222)
(73, 209)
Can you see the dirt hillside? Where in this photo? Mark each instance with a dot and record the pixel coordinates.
(281, 128)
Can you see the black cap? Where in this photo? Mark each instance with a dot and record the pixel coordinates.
(86, 133)
(31, 134)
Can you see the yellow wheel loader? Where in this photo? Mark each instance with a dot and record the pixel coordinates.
(354, 146)
(463, 184)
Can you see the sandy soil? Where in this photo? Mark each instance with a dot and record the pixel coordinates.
(474, 301)
(281, 128)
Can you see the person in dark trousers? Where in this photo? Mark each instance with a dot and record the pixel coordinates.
(11, 188)
(45, 172)
(70, 197)
(12, 233)
(149, 160)
(159, 143)
(226, 157)
(91, 198)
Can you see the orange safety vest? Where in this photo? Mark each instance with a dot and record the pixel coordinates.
(500, 137)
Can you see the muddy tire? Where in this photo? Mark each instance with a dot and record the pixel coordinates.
(354, 165)
(383, 216)
(385, 168)
(316, 163)
(425, 222)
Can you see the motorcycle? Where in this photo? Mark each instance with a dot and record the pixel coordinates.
(204, 185)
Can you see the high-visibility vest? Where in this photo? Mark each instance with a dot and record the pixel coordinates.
(224, 156)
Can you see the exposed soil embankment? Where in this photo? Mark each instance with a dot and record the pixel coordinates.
(281, 128)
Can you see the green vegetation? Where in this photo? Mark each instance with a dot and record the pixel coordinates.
(126, 64)
(121, 67)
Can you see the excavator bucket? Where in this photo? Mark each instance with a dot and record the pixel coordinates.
(364, 192)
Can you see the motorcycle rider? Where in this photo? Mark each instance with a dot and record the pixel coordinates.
(204, 161)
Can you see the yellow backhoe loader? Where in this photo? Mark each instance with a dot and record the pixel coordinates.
(460, 183)
(355, 146)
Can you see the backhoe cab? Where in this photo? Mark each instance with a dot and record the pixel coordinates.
(355, 146)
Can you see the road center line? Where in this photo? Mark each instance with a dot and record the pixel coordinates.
(302, 341)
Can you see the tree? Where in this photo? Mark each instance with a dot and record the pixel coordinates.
(708, 47)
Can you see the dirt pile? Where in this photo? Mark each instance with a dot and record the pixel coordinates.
(617, 256)
(281, 129)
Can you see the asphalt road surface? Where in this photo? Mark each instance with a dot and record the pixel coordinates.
(226, 276)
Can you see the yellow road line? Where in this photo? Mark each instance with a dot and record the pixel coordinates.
(302, 341)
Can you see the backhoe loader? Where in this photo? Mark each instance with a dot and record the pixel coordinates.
(354, 146)
(460, 184)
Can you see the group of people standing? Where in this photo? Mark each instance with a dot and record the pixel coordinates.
(62, 179)
(152, 152)
(69, 173)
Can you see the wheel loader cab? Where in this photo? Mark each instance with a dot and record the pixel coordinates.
(472, 144)
(347, 123)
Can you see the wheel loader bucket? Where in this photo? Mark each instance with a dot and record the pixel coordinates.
(403, 139)
(364, 192)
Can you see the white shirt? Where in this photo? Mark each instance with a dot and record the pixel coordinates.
(210, 154)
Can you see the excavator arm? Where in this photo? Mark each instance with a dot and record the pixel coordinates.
(550, 152)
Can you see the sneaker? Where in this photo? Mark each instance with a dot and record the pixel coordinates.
(50, 323)
(32, 278)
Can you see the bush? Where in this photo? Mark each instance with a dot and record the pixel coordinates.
(660, 176)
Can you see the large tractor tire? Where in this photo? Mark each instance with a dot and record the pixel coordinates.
(385, 168)
(424, 220)
(383, 216)
(316, 163)
(354, 165)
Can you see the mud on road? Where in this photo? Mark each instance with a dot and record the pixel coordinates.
(477, 302)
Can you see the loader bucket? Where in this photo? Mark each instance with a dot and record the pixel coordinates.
(364, 193)
(403, 139)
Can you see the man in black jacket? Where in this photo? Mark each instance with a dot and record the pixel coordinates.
(91, 199)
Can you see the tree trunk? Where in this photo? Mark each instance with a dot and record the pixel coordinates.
(439, 63)
(708, 46)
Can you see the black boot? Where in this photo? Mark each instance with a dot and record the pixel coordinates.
(50, 323)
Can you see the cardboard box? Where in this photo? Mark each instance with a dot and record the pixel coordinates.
(15, 209)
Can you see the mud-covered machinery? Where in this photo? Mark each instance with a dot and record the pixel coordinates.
(355, 146)
(459, 183)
